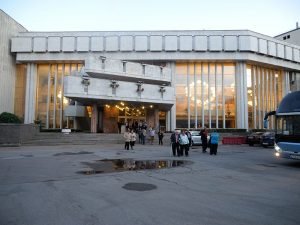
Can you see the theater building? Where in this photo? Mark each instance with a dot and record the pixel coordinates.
(170, 79)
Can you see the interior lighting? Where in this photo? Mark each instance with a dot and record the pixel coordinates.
(122, 103)
(143, 107)
(119, 108)
(151, 106)
(107, 106)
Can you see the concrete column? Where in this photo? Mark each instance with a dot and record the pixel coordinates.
(168, 121)
(241, 96)
(285, 83)
(173, 109)
(156, 119)
(94, 119)
(173, 118)
(30, 97)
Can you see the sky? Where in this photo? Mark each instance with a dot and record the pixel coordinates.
(269, 17)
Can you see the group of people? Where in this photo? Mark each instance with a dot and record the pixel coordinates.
(211, 142)
(181, 142)
(130, 136)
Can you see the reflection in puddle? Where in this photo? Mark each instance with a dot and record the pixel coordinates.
(120, 165)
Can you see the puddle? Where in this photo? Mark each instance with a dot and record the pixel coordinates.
(120, 165)
(72, 153)
(139, 187)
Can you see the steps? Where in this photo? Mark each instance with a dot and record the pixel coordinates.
(51, 138)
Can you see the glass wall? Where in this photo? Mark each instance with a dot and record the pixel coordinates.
(20, 90)
(50, 100)
(264, 88)
(205, 95)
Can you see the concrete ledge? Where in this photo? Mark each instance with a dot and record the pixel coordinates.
(14, 134)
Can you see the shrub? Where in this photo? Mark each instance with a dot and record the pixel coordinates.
(6, 117)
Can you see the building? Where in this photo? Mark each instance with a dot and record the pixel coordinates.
(293, 37)
(170, 79)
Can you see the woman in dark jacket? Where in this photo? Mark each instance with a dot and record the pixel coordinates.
(204, 140)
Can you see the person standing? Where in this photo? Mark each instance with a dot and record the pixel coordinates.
(144, 134)
(152, 134)
(214, 141)
(175, 143)
(160, 137)
(132, 138)
(189, 135)
(127, 137)
(184, 143)
(204, 139)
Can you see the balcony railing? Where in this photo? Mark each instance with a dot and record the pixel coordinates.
(102, 67)
(113, 90)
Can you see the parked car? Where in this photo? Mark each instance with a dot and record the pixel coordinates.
(268, 139)
(254, 138)
(196, 138)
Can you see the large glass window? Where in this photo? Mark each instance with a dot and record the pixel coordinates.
(229, 94)
(20, 90)
(264, 87)
(50, 101)
(205, 95)
(181, 95)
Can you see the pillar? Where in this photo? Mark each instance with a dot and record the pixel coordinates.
(30, 96)
(94, 119)
(241, 96)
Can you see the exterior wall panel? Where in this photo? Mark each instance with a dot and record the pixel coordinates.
(296, 53)
(215, 43)
(271, 48)
(263, 47)
(22, 44)
(201, 43)
(171, 43)
(156, 43)
(54, 44)
(280, 50)
(68, 44)
(141, 43)
(97, 44)
(230, 43)
(288, 53)
(39, 44)
(126, 43)
(112, 44)
(185, 43)
(83, 44)
(8, 29)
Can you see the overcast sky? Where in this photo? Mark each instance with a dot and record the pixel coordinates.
(270, 17)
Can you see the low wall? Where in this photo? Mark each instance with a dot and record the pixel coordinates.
(15, 134)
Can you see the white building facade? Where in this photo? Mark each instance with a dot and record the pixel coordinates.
(170, 79)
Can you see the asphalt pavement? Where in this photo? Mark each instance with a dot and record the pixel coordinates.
(107, 185)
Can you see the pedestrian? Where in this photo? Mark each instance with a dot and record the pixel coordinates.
(132, 138)
(188, 134)
(203, 134)
(144, 134)
(160, 137)
(152, 134)
(127, 137)
(214, 141)
(184, 143)
(175, 143)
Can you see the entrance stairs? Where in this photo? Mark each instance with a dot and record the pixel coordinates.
(76, 138)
